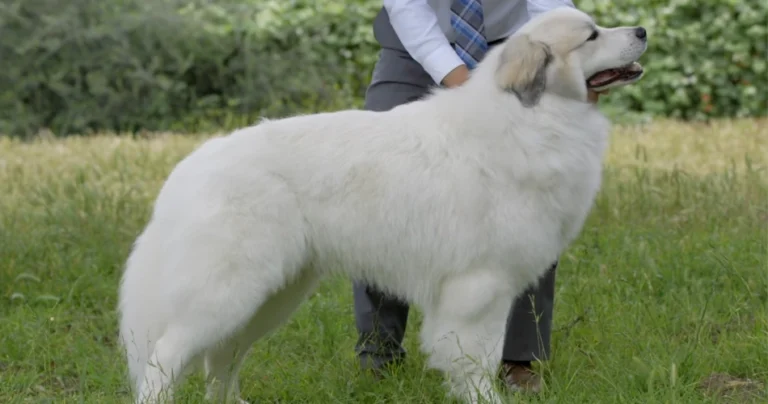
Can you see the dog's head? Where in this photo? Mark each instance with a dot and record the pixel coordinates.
(564, 52)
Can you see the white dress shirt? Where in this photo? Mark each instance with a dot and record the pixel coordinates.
(424, 27)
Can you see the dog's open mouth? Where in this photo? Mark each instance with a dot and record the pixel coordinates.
(618, 76)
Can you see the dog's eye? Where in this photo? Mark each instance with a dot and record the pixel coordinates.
(593, 36)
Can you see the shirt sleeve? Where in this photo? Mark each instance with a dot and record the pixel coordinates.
(536, 7)
(415, 23)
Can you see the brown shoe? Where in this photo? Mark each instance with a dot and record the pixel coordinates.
(519, 376)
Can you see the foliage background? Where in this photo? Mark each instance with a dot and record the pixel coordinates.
(196, 65)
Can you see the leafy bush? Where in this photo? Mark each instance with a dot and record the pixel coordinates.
(130, 65)
(133, 65)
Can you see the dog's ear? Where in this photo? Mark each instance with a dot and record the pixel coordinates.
(522, 68)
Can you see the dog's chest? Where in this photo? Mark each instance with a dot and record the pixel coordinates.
(540, 216)
(574, 201)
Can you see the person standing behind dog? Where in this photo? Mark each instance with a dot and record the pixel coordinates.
(424, 42)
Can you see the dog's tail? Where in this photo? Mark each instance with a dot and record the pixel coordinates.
(142, 320)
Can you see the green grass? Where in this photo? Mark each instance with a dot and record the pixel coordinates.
(667, 285)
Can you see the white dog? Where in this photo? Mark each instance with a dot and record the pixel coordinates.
(456, 203)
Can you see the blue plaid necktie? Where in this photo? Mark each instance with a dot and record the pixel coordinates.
(467, 21)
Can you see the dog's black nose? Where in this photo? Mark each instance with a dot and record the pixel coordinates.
(640, 32)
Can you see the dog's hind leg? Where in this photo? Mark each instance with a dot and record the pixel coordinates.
(223, 362)
(224, 257)
(207, 325)
(463, 333)
(217, 301)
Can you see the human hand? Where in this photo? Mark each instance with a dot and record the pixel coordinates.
(456, 77)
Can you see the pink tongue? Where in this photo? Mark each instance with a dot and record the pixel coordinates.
(603, 77)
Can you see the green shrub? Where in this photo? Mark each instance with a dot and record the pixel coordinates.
(135, 65)
(131, 65)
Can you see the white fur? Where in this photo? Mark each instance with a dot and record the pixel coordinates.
(455, 203)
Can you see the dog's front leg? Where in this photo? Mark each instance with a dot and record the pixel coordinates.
(463, 333)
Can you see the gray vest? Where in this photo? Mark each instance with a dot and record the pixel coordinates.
(384, 33)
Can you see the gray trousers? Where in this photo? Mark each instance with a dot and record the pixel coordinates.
(380, 319)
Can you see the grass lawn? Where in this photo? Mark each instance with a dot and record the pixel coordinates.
(663, 298)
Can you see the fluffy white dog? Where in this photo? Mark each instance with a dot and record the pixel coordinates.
(456, 203)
